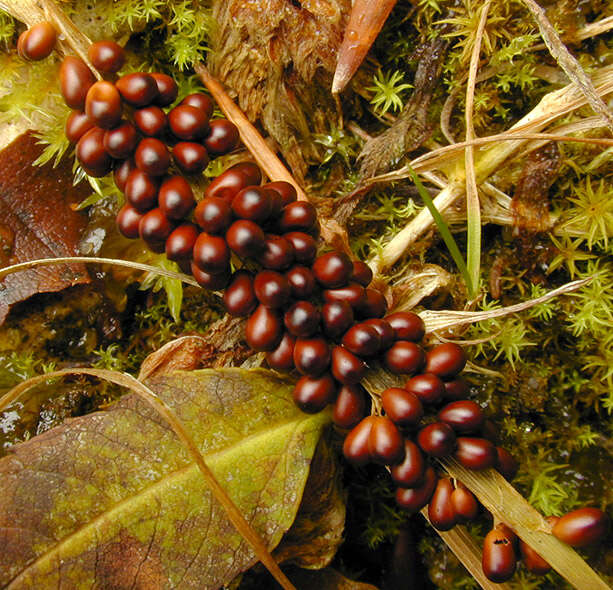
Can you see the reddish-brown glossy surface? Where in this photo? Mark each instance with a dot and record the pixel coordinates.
(141, 190)
(91, 153)
(362, 339)
(312, 395)
(407, 325)
(232, 180)
(374, 304)
(77, 125)
(282, 357)
(352, 293)
(445, 360)
(532, 560)
(302, 319)
(350, 406)
(414, 499)
(427, 387)
(190, 157)
(298, 216)
(199, 101)
(332, 270)
(286, 190)
(167, 89)
(304, 245)
(211, 253)
(152, 157)
(437, 439)
(498, 560)
(404, 357)
(38, 41)
(401, 406)
(106, 56)
(581, 527)
(278, 253)
(264, 329)
(311, 356)
(246, 238)
(385, 443)
(252, 203)
(475, 453)
(176, 198)
(301, 281)
(361, 273)
(355, 446)
(154, 227)
(121, 172)
(188, 123)
(506, 464)
(463, 416)
(464, 503)
(271, 288)
(128, 219)
(441, 512)
(120, 142)
(222, 137)
(239, 298)
(409, 473)
(213, 281)
(75, 80)
(139, 89)
(386, 332)
(456, 389)
(150, 120)
(346, 367)
(180, 243)
(337, 318)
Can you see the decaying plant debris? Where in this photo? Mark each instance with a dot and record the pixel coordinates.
(525, 92)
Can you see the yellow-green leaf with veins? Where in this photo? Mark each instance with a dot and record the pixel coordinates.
(113, 500)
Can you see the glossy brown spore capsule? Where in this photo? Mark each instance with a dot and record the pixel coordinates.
(278, 253)
(246, 238)
(464, 503)
(347, 368)
(127, 220)
(506, 464)
(91, 153)
(188, 123)
(350, 406)
(373, 305)
(499, 558)
(362, 340)
(305, 247)
(311, 356)
(437, 439)
(446, 360)
(352, 293)
(301, 282)
(385, 443)
(332, 270)
(176, 198)
(264, 329)
(141, 190)
(302, 319)
(222, 137)
(386, 332)
(337, 318)
(415, 498)
(106, 56)
(75, 81)
(463, 416)
(252, 203)
(355, 445)
(286, 191)
(152, 157)
(190, 157)
(199, 101)
(427, 387)
(231, 181)
(180, 242)
(581, 527)
(282, 357)
(361, 273)
(77, 125)
(271, 288)
(213, 215)
(153, 228)
(212, 281)
(138, 89)
(407, 326)
(404, 357)
(211, 253)
(313, 394)
(38, 41)
(167, 89)
(410, 473)
(151, 120)
(121, 141)
(532, 560)
(441, 512)
(298, 216)
(456, 389)
(475, 453)
(121, 172)
(239, 298)
(401, 406)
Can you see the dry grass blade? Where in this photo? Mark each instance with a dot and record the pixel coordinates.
(125, 380)
(507, 505)
(568, 63)
(441, 320)
(473, 207)
(467, 551)
(264, 156)
(91, 259)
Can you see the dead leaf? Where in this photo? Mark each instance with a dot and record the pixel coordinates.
(326, 579)
(182, 354)
(36, 221)
(113, 500)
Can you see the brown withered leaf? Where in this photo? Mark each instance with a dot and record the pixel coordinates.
(278, 56)
(113, 500)
(36, 221)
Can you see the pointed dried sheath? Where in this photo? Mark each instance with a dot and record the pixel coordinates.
(365, 22)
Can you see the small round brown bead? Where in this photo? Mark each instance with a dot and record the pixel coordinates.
(107, 56)
(138, 89)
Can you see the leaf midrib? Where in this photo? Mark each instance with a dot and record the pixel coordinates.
(136, 498)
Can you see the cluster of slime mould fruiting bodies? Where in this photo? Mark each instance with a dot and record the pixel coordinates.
(312, 314)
